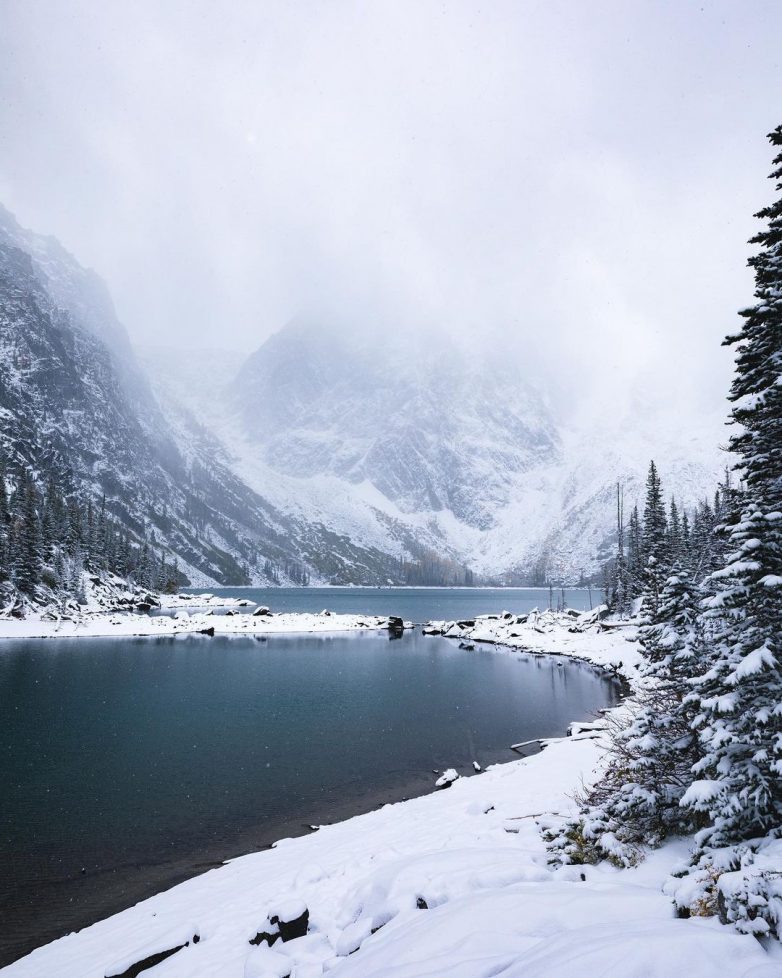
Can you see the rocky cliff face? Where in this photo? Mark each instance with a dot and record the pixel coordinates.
(74, 398)
(418, 448)
(431, 431)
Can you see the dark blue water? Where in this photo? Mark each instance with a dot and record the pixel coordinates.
(412, 604)
(139, 761)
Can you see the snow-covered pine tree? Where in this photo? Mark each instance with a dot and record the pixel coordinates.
(5, 519)
(655, 546)
(28, 546)
(636, 802)
(620, 596)
(674, 535)
(635, 561)
(655, 523)
(739, 698)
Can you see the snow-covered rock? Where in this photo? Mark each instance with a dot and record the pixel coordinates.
(447, 778)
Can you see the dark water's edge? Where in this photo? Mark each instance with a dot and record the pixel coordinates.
(98, 895)
(56, 898)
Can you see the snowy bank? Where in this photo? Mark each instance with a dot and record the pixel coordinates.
(455, 883)
(203, 600)
(583, 636)
(123, 624)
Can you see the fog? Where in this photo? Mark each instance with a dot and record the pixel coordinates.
(568, 183)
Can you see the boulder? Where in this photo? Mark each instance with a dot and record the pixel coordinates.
(268, 933)
(261, 611)
(292, 918)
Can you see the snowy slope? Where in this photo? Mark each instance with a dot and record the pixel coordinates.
(74, 400)
(403, 448)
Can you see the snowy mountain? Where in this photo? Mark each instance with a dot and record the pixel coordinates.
(74, 400)
(409, 448)
(324, 455)
(431, 434)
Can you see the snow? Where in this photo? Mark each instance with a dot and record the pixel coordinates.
(454, 883)
(700, 793)
(108, 624)
(753, 662)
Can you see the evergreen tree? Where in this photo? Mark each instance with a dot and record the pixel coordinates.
(28, 555)
(5, 520)
(655, 524)
(635, 560)
(686, 553)
(636, 802)
(621, 590)
(674, 538)
(655, 546)
(740, 696)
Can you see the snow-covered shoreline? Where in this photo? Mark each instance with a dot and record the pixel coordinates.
(127, 625)
(191, 614)
(453, 883)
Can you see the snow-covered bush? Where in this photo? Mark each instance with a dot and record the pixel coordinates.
(741, 884)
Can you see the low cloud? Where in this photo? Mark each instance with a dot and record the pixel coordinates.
(572, 183)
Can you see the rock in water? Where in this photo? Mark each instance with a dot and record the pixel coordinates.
(447, 778)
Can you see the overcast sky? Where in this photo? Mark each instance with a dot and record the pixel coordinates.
(571, 179)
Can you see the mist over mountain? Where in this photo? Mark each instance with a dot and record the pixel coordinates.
(412, 448)
(75, 402)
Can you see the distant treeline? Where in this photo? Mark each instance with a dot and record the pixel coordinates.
(431, 570)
